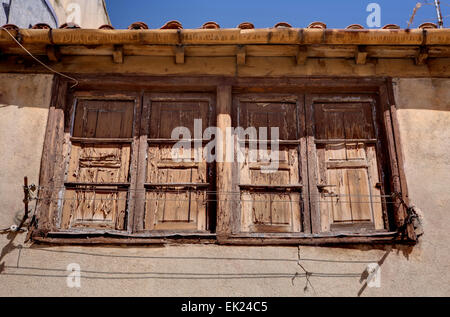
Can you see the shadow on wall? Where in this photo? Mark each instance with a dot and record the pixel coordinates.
(20, 90)
(422, 93)
(58, 272)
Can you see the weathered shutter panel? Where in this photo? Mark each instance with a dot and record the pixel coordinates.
(103, 119)
(97, 177)
(176, 192)
(270, 202)
(348, 178)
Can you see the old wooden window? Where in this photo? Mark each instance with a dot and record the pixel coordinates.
(176, 191)
(109, 165)
(344, 157)
(270, 200)
(98, 179)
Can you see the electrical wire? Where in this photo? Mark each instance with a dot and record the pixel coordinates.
(39, 61)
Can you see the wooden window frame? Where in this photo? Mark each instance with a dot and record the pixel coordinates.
(299, 141)
(310, 100)
(145, 141)
(57, 141)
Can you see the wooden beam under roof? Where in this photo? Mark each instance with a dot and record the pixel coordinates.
(294, 36)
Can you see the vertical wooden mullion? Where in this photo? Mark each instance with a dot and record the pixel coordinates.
(303, 161)
(395, 177)
(211, 199)
(67, 149)
(400, 213)
(51, 174)
(381, 160)
(396, 136)
(312, 166)
(137, 193)
(46, 170)
(224, 172)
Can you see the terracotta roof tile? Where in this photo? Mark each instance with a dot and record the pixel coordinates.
(138, 26)
(355, 27)
(172, 25)
(282, 25)
(246, 26)
(317, 25)
(428, 25)
(10, 27)
(70, 25)
(391, 27)
(210, 25)
(106, 27)
(214, 25)
(41, 26)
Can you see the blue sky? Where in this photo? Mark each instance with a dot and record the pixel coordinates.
(266, 13)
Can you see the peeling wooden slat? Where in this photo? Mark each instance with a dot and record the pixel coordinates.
(331, 141)
(347, 164)
(101, 140)
(223, 168)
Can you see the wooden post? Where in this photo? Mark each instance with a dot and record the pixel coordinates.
(422, 56)
(240, 55)
(400, 210)
(53, 53)
(118, 54)
(302, 55)
(179, 54)
(223, 168)
(360, 55)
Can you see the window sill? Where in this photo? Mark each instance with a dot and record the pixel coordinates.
(274, 239)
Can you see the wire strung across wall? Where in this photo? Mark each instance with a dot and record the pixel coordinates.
(98, 189)
(113, 275)
(335, 200)
(38, 60)
(332, 197)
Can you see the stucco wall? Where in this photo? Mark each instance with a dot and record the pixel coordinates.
(24, 102)
(208, 270)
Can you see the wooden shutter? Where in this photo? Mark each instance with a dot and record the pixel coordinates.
(176, 196)
(269, 202)
(345, 187)
(98, 169)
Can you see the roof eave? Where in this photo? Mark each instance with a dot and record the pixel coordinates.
(298, 36)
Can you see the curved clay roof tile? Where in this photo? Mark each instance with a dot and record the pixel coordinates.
(391, 27)
(246, 25)
(355, 27)
(317, 25)
(210, 25)
(70, 25)
(282, 25)
(172, 25)
(138, 26)
(41, 26)
(106, 27)
(428, 25)
(10, 27)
